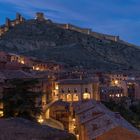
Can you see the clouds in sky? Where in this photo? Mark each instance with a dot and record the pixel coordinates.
(118, 17)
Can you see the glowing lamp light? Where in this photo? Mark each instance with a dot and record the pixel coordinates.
(118, 95)
(116, 82)
(77, 136)
(37, 68)
(22, 62)
(86, 96)
(73, 119)
(1, 113)
(40, 119)
(56, 87)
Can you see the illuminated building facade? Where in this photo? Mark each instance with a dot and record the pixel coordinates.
(72, 90)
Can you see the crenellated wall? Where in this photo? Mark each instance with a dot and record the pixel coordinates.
(105, 36)
(40, 17)
(89, 32)
(75, 28)
(11, 23)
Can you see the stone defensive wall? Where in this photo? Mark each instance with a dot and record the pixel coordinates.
(75, 28)
(89, 32)
(105, 36)
(11, 23)
(40, 16)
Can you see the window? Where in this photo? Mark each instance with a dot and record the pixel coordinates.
(68, 90)
(86, 96)
(62, 90)
(75, 90)
(69, 97)
(75, 97)
(86, 89)
(94, 126)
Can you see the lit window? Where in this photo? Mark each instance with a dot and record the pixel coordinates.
(75, 97)
(116, 82)
(40, 119)
(86, 96)
(37, 68)
(118, 95)
(69, 97)
(56, 87)
(1, 113)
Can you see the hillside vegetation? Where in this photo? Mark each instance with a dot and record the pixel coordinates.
(45, 40)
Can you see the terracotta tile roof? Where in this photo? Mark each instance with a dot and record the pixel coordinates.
(61, 103)
(119, 133)
(98, 119)
(77, 81)
(14, 74)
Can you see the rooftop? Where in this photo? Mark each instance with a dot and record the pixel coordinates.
(77, 81)
(98, 119)
(14, 74)
(22, 129)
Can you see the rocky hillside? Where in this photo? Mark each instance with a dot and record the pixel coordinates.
(46, 40)
(20, 129)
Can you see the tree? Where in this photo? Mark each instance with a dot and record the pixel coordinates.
(19, 99)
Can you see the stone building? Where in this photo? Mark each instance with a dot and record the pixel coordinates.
(60, 111)
(120, 85)
(111, 92)
(72, 90)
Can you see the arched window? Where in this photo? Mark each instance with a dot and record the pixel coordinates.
(75, 97)
(69, 97)
(86, 96)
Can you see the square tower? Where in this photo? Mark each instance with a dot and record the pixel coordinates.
(8, 22)
(40, 16)
(19, 18)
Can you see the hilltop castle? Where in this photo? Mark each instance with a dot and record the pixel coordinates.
(11, 23)
(40, 17)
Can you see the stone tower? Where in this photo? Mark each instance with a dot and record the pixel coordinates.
(117, 38)
(19, 18)
(40, 16)
(8, 22)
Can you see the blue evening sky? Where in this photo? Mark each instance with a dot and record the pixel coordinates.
(116, 17)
